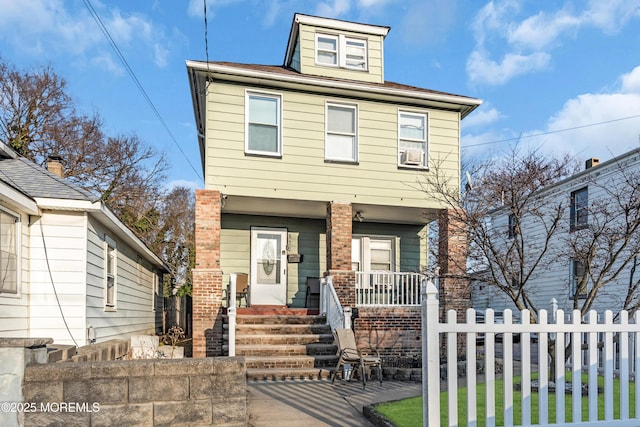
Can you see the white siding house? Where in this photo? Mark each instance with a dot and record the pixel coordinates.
(83, 276)
(584, 198)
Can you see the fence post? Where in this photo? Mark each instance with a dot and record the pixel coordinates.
(323, 291)
(430, 357)
(554, 313)
(347, 317)
(231, 314)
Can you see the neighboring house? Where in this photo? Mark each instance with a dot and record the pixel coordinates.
(312, 168)
(588, 202)
(69, 269)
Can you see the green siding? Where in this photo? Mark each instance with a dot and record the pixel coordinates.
(302, 173)
(307, 237)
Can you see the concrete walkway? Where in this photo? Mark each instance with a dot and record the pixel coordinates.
(320, 403)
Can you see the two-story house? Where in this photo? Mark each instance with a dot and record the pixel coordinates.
(590, 258)
(311, 169)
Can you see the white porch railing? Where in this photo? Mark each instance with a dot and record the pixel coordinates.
(583, 337)
(387, 288)
(337, 316)
(231, 314)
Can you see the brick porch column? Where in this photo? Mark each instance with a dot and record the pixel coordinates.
(455, 292)
(207, 276)
(339, 232)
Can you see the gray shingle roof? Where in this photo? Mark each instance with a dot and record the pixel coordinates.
(35, 181)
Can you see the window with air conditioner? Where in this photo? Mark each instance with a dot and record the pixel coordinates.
(338, 50)
(412, 139)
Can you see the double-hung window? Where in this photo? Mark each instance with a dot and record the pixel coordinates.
(341, 51)
(372, 253)
(341, 143)
(9, 247)
(263, 133)
(412, 139)
(579, 209)
(513, 226)
(110, 273)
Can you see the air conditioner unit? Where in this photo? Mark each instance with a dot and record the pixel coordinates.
(412, 157)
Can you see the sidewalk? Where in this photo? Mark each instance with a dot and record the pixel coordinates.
(320, 403)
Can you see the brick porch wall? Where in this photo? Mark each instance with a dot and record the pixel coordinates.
(393, 331)
(339, 234)
(207, 276)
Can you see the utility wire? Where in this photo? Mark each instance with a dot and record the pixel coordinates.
(133, 76)
(553, 131)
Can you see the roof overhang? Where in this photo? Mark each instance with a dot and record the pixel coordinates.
(17, 200)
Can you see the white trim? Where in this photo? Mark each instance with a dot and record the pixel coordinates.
(14, 197)
(341, 41)
(355, 145)
(424, 164)
(270, 95)
(341, 25)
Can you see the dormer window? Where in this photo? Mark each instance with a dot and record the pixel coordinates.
(341, 51)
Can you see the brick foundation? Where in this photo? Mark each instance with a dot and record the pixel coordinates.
(207, 276)
(393, 331)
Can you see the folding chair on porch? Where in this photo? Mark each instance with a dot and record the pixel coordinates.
(349, 354)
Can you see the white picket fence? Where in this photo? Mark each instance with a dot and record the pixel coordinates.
(605, 350)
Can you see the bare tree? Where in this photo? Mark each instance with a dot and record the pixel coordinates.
(499, 254)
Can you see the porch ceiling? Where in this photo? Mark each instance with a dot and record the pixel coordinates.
(318, 210)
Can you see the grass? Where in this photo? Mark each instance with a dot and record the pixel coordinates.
(408, 412)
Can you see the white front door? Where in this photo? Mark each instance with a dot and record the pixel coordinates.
(268, 266)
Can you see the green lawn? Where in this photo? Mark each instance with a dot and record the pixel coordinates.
(408, 412)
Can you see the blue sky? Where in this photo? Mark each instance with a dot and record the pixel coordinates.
(563, 76)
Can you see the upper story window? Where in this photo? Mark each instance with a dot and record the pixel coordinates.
(341, 141)
(9, 249)
(263, 131)
(579, 209)
(110, 272)
(412, 139)
(341, 51)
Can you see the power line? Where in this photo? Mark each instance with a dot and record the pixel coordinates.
(553, 131)
(133, 76)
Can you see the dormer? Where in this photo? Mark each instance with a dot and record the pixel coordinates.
(339, 49)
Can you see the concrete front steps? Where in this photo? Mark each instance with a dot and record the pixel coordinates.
(284, 344)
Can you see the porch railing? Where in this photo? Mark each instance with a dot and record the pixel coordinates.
(387, 288)
(337, 316)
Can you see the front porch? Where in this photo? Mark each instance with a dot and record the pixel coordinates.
(373, 267)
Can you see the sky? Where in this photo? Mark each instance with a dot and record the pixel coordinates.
(559, 76)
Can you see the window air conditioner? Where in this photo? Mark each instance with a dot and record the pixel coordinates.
(412, 157)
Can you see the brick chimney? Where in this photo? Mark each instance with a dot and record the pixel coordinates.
(54, 165)
(590, 163)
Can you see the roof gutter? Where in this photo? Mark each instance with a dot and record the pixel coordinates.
(467, 104)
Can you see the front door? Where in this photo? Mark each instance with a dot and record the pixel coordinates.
(268, 266)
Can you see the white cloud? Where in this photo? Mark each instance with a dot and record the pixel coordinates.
(333, 9)
(483, 69)
(483, 116)
(46, 28)
(525, 44)
(631, 81)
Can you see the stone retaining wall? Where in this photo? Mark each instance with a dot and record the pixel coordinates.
(208, 391)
